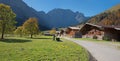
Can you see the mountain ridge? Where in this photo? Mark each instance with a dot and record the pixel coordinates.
(114, 8)
(46, 20)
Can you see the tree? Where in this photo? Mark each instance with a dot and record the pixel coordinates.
(7, 19)
(31, 27)
(19, 31)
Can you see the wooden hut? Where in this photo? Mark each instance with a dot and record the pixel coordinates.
(73, 32)
(101, 32)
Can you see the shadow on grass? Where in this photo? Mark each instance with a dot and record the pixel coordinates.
(41, 38)
(15, 40)
(60, 41)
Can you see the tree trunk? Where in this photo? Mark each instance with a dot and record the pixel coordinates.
(20, 35)
(2, 37)
(3, 30)
(31, 35)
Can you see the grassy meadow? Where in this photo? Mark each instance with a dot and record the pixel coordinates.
(41, 48)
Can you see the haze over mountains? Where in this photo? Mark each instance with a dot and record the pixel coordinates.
(53, 19)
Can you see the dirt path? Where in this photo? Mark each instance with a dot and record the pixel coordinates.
(99, 51)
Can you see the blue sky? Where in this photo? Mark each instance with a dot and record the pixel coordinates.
(87, 7)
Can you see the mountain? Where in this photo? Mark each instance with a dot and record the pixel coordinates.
(23, 11)
(115, 8)
(110, 17)
(63, 18)
(53, 19)
(80, 17)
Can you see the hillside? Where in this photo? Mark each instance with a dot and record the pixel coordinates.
(110, 17)
(53, 19)
(21, 9)
(115, 8)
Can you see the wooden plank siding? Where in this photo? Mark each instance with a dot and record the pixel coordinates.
(90, 30)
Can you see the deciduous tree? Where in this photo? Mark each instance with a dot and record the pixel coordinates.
(7, 19)
(31, 27)
(19, 31)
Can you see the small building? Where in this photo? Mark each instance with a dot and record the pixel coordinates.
(47, 33)
(101, 32)
(73, 32)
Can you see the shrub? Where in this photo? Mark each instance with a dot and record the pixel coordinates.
(106, 38)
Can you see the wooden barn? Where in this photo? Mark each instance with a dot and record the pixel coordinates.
(73, 32)
(101, 32)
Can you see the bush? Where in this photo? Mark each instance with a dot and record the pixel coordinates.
(95, 37)
(106, 38)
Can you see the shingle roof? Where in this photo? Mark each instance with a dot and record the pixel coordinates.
(101, 26)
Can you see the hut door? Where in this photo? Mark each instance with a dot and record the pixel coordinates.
(118, 37)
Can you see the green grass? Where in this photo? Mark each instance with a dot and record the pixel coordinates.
(40, 49)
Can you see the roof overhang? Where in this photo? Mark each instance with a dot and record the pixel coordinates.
(75, 28)
(94, 25)
(117, 28)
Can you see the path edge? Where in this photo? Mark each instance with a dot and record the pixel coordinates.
(91, 58)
